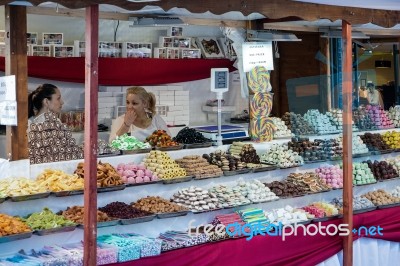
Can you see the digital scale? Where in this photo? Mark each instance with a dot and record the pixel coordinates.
(229, 133)
(221, 134)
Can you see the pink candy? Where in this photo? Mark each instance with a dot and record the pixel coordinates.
(132, 173)
(332, 175)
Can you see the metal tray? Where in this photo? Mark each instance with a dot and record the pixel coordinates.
(285, 137)
(170, 148)
(336, 158)
(44, 232)
(112, 188)
(101, 155)
(177, 180)
(103, 224)
(364, 210)
(137, 220)
(382, 152)
(388, 206)
(203, 211)
(236, 172)
(2, 200)
(9, 238)
(67, 193)
(304, 222)
(30, 197)
(361, 155)
(316, 192)
(235, 206)
(289, 197)
(144, 183)
(326, 218)
(171, 214)
(293, 166)
(365, 184)
(317, 161)
(136, 151)
(267, 167)
(263, 201)
(197, 145)
(207, 177)
(383, 180)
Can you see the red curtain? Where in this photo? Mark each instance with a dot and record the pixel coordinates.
(124, 71)
(268, 250)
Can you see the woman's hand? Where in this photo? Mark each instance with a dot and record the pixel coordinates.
(130, 117)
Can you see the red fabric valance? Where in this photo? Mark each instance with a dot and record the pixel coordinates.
(267, 250)
(124, 71)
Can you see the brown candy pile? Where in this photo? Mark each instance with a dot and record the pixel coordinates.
(374, 142)
(284, 189)
(310, 181)
(198, 167)
(382, 170)
(76, 214)
(226, 162)
(157, 205)
(107, 176)
(381, 197)
(122, 210)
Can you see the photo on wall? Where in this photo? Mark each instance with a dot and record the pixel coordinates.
(209, 47)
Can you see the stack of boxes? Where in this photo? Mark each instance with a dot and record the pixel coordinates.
(172, 103)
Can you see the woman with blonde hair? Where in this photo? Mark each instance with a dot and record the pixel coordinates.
(140, 119)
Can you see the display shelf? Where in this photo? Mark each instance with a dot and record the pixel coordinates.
(155, 226)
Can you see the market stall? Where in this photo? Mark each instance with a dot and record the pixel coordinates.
(354, 16)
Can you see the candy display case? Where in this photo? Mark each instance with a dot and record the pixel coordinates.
(153, 227)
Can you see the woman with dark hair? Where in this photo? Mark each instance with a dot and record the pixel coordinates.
(45, 98)
(140, 119)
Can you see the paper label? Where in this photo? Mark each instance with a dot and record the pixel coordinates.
(257, 54)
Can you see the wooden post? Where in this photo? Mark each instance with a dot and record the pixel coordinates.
(90, 152)
(17, 64)
(347, 144)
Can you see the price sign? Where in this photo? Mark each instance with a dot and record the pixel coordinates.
(7, 88)
(8, 113)
(257, 54)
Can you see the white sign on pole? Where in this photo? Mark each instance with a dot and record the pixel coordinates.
(8, 113)
(7, 88)
(257, 54)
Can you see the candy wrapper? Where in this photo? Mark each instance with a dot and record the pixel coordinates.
(125, 142)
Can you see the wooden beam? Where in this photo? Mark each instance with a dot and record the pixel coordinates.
(347, 144)
(17, 64)
(287, 26)
(75, 13)
(90, 149)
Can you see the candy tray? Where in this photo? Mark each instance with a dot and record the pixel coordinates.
(388, 206)
(9, 238)
(177, 180)
(361, 155)
(203, 211)
(136, 151)
(44, 232)
(267, 167)
(111, 188)
(207, 177)
(143, 183)
(198, 145)
(236, 172)
(364, 210)
(66, 193)
(30, 197)
(171, 214)
(170, 148)
(138, 219)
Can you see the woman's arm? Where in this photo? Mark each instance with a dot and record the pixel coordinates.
(118, 128)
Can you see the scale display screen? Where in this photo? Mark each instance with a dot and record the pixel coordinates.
(219, 79)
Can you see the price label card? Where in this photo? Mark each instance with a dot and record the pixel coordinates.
(257, 54)
(7, 88)
(8, 113)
